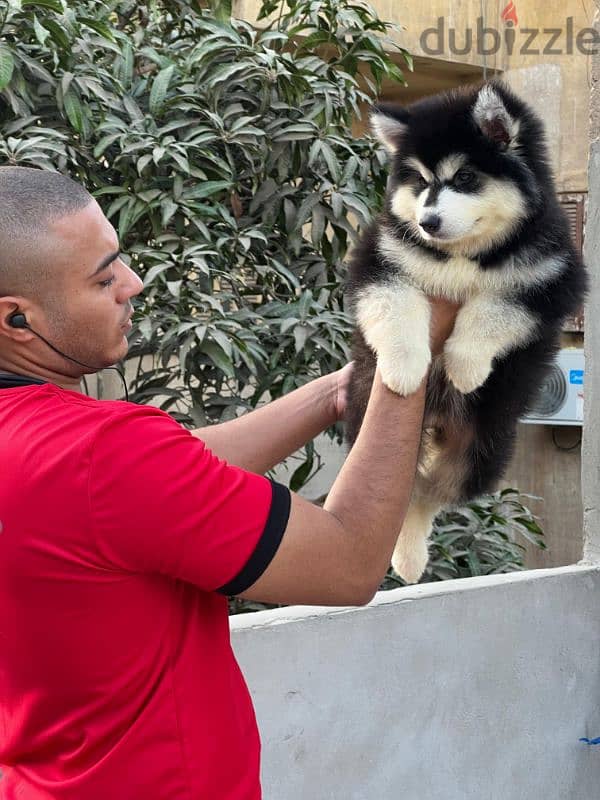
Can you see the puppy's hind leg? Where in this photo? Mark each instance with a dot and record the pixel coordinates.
(443, 469)
(411, 555)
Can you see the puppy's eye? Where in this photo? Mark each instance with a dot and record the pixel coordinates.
(464, 177)
(421, 183)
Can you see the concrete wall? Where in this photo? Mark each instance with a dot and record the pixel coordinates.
(591, 435)
(477, 689)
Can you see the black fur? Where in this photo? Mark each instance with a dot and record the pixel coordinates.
(485, 420)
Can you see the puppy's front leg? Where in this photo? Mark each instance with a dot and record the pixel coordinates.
(485, 328)
(394, 319)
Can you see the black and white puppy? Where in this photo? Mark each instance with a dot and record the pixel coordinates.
(471, 214)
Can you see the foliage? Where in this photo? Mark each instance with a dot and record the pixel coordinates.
(485, 537)
(224, 157)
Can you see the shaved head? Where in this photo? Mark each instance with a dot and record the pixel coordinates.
(30, 200)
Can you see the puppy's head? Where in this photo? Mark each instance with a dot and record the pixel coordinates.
(465, 172)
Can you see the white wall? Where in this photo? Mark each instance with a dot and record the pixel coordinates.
(476, 689)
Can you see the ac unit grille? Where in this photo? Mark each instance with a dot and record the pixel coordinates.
(552, 394)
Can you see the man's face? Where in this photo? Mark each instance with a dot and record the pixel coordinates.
(88, 310)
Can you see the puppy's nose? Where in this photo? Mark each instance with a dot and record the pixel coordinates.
(431, 223)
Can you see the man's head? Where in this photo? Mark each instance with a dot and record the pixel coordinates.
(60, 267)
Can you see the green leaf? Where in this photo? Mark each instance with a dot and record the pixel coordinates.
(205, 189)
(226, 73)
(65, 82)
(7, 65)
(125, 66)
(332, 161)
(223, 341)
(74, 110)
(99, 27)
(300, 475)
(53, 5)
(132, 108)
(337, 204)
(160, 86)
(301, 334)
(58, 34)
(105, 143)
(41, 33)
(169, 209)
(154, 272)
(318, 226)
(218, 357)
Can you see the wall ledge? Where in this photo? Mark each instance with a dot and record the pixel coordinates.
(408, 594)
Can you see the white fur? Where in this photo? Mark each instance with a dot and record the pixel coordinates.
(485, 328)
(469, 221)
(485, 216)
(449, 166)
(387, 130)
(404, 204)
(460, 278)
(413, 162)
(411, 554)
(444, 171)
(394, 319)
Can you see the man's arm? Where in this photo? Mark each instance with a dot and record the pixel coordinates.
(259, 440)
(339, 554)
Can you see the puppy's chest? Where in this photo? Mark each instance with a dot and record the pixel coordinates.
(458, 278)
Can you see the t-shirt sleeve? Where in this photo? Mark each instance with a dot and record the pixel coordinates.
(162, 502)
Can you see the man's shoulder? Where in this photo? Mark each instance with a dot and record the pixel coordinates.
(70, 411)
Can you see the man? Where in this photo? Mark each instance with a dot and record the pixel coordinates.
(122, 532)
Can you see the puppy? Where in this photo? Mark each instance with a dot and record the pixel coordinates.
(471, 215)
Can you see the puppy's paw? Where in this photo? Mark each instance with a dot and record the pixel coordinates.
(466, 368)
(403, 370)
(410, 559)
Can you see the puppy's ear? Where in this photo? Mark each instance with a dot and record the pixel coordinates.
(389, 123)
(493, 119)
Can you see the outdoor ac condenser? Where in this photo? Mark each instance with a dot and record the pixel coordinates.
(560, 400)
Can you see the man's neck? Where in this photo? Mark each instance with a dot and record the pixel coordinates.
(40, 373)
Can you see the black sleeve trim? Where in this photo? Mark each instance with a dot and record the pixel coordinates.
(268, 544)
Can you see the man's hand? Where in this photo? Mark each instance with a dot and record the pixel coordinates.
(341, 383)
(443, 317)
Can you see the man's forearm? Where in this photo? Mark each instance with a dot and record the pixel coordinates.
(372, 492)
(259, 440)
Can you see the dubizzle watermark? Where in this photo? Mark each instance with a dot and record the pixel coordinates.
(487, 41)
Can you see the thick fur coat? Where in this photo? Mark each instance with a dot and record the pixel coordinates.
(471, 214)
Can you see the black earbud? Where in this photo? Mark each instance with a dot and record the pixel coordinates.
(18, 320)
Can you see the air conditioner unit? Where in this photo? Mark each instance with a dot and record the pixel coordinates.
(560, 399)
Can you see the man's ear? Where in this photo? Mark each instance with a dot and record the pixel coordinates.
(389, 123)
(493, 119)
(10, 305)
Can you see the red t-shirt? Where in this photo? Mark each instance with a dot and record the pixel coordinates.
(121, 533)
